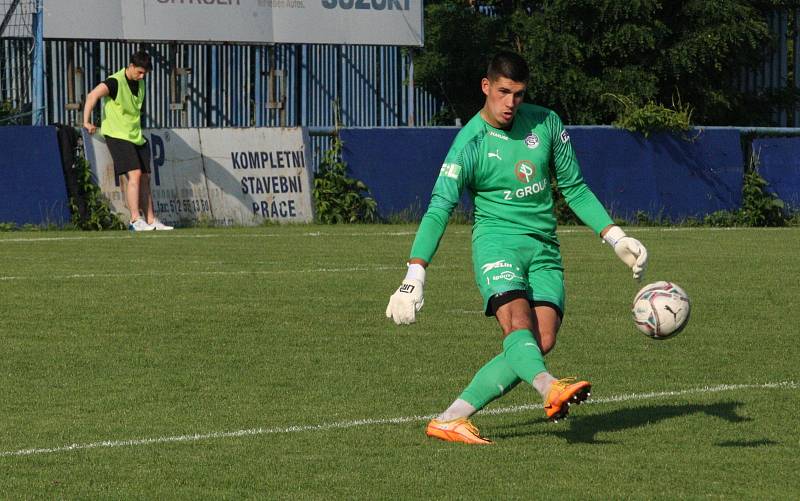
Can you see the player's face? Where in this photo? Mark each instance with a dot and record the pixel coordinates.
(135, 72)
(503, 97)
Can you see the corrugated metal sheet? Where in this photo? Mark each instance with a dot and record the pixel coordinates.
(240, 85)
(15, 72)
(229, 85)
(796, 65)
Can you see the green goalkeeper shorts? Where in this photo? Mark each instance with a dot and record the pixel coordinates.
(504, 263)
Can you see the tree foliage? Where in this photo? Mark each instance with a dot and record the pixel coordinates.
(583, 51)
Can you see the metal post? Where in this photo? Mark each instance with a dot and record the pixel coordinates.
(259, 75)
(796, 63)
(411, 87)
(38, 65)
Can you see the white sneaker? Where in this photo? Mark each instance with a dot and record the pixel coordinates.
(158, 225)
(140, 225)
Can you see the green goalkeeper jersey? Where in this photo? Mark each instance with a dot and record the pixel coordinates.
(508, 174)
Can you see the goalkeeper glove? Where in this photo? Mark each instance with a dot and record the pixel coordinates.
(629, 250)
(408, 299)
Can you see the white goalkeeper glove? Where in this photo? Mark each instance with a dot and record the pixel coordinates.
(630, 250)
(408, 299)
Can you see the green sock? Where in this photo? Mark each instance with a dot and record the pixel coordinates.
(492, 381)
(523, 355)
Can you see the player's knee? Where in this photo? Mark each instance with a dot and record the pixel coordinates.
(548, 321)
(547, 341)
(518, 322)
(133, 176)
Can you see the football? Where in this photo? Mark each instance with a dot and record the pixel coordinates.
(661, 310)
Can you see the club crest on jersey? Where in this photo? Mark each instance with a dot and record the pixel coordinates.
(524, 170)
(532, 141)
(564, 137)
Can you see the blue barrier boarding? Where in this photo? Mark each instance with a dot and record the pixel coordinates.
(664, 175)
(779, 165)
(32, 189)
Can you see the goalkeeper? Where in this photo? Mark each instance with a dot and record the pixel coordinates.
(505, 156)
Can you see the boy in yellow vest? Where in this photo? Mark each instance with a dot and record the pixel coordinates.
(123, 96)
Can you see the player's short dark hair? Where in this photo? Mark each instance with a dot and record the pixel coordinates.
(141, 59)
(509, 65)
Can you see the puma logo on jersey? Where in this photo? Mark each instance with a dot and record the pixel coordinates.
(496, 154)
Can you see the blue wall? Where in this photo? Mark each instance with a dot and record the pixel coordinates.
(399, 165)
(779, 165)
(663, 175)
(32, 189)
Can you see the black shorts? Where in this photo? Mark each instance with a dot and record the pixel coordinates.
(128, 156)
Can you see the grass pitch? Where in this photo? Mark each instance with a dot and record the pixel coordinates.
(257, 363)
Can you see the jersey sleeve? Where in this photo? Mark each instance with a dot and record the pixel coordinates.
(455, 174)
(580, 198)
(111, 83)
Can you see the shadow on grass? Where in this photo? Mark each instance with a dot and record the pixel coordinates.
(584, 429)
(746, 443)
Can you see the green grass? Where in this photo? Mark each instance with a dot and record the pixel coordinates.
(111, 340)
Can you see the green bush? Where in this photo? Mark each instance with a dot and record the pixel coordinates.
(721, 219)
(338, 198)
(650, 117)
(759, 206)
(9, 115)
(99, 215)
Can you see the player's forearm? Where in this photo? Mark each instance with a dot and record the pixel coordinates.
(430, 232)
(91, 101)
(588, 208)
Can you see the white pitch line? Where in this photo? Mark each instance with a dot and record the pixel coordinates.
(75, 276)
(466, 230)
(107, 444)
(227, 235)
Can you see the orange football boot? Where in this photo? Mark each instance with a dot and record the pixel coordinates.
(457, 430)
(563, 393)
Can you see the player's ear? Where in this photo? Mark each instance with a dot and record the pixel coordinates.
(485, 85)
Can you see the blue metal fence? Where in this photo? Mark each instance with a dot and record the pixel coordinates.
(222, 85)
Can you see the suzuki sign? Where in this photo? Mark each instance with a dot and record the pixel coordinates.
(364, 22)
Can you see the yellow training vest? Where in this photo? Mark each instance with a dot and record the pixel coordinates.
(122, 116)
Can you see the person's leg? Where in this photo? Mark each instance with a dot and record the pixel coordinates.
(521, 349)
(494, 266)
(493, 380)
(146, 198)
(132, 182)
(520, 360)
(529, 333)
(141, 155)
(548, 322)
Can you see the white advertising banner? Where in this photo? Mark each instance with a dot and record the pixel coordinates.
(367, 22)
(258, 174)
(220, 176)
